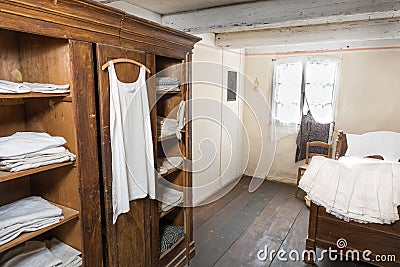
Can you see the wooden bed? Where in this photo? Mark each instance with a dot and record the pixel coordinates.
(325, 230)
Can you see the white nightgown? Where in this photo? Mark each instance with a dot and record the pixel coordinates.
(133, 174)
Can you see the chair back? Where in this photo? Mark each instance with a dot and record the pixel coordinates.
(327, 147)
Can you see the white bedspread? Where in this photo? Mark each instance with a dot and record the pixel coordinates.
(362, 190)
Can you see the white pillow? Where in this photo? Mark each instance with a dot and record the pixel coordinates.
(386, 144)
(355, 145)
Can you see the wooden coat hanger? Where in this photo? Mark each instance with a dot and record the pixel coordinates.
(124, 60)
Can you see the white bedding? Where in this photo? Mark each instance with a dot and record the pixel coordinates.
(362, 190)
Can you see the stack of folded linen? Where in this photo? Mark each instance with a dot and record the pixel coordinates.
(45, 254)
(7, 87)
(28, 150)
(48, 88)
(169, 195)
(27, 215)
(166, 126)
(166, 84)
(166, 164)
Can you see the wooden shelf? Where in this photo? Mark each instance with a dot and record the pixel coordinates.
(31, 95)
(168, 137)
(165, 213)
(6, 176)
(161, 93)
(68, 213)
(171, 171)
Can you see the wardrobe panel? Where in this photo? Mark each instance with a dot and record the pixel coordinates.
(9, 55)
(87, 161)
(15, 189)
(12, 119)
(126, 240)
(44, 59)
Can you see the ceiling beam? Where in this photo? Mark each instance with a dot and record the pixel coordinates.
(280, 13)
(317, 37)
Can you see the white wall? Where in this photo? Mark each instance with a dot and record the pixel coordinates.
(216, 153)
(369, 95)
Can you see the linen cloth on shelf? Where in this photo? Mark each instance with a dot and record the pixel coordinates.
(166, 126)
(30, 254)
(8, 87)
(28, 150)
(48, 88)
(362, 190)
(16, 165)
(166, 164)
(26, 215)
(167, 84)
(169, 195)
(14, 231)
(133, 170)
(43, 254)
(23, 143)
(181, 118)
(68, 255)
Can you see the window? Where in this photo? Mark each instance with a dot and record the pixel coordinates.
(303, 85)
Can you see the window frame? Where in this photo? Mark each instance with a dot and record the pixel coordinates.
(303, 61)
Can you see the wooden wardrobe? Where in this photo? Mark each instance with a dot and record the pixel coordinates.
(67, 42)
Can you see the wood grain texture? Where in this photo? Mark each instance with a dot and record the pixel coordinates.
(7, 176)
(92, 22)
(84, 103)
(126, 240)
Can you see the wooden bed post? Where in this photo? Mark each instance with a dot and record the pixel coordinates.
(312, 231)
(341, 145)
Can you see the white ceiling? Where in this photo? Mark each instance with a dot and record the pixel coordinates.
(164, 7)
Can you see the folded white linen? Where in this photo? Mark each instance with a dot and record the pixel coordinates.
(22, 143)
(167, 81)
(166, 164)
(68, 255)
(181, 118)
(364, 190)
(168, 88)
(35, 162)
(8, 87)
(166, 126)
(9, 233)
(50, 151)
(27, 209)
(76, 263)
(30, 254)
(48, 88)
(169, 197)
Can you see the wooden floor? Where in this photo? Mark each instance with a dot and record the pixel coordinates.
(231, 231)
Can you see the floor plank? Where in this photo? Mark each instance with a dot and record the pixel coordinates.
(221, 230)
(232, 230)
(269, 229)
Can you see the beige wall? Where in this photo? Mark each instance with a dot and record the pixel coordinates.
(369, 100)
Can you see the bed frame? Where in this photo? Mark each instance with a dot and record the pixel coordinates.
(324, 230)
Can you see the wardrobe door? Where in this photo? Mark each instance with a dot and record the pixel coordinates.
(127, 241)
